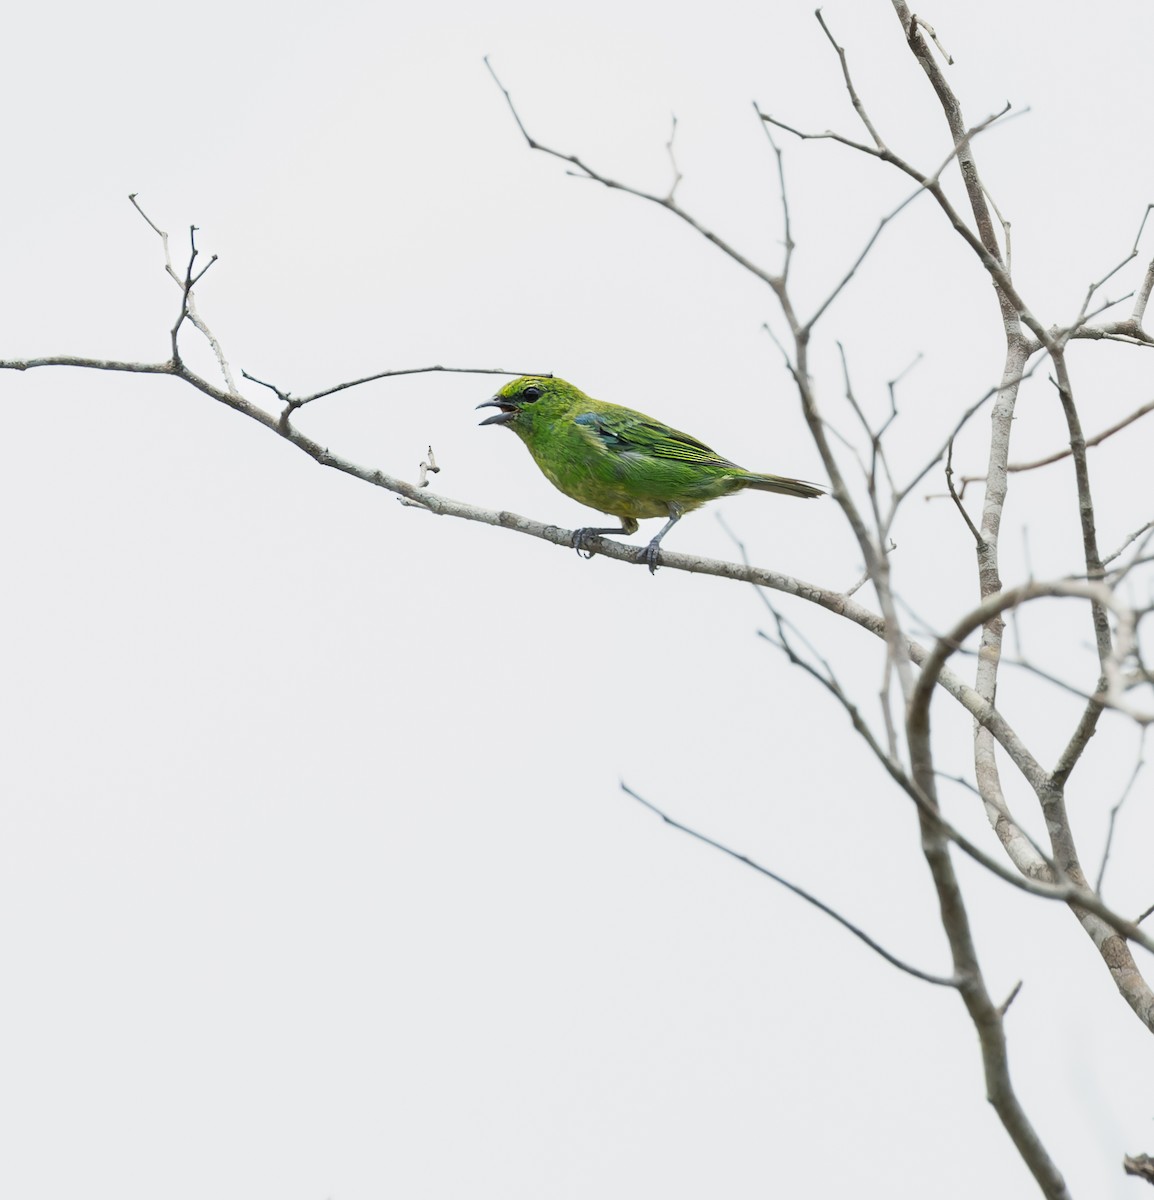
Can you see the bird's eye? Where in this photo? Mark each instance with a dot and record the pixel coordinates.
(531, 393)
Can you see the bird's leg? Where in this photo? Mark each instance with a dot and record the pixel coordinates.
(649, 554)
(628, 526)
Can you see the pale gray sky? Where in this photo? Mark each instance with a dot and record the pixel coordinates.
(315, 876)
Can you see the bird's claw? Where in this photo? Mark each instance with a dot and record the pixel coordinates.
(578, 540)
(647, 554)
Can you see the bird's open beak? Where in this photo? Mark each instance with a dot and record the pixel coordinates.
(507, 413)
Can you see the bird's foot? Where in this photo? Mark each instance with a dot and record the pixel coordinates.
(649, 555)
(579, 541)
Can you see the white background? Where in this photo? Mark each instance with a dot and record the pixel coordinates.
(315, 876)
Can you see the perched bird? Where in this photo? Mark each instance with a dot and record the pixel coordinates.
(620, 461)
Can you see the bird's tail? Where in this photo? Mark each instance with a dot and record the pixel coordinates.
(787, 487)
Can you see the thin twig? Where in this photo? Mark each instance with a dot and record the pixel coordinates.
(1117, 575)
(1007, 243)
(1143, 298)
(1059, 455)
(673, 160)
(787, 234)
(352, 383)
(923, 24)
(1004, 1006)
(1138, 765)
(957, 429)
(978, 539)
(428, 467)
(666, 202)
(808, 897)
(855, 99)
(188, 302)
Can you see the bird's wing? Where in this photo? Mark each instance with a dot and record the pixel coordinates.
(624, 431)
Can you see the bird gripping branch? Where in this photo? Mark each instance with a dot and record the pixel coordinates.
(619, 461)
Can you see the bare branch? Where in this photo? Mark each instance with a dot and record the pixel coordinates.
(975, 190)
(1109, 938)
(841, 285)
(1138, 315)
(352, 383)
(428, 467)
(188, 301)
(1012, 302)
(666, 202)
(997, 390)
(1004, 1006)
(863, 579)
(1143, 298)
(1018, 846)
(89, 364)
(787, 234)
(1048, 881)
(1094, 571)
(957, 499)
(673, 161)
(808, 897)
(922, 24)
(985, 1015)
(280, 393)
(1117, 808)
(892, 386)
(1125, 332)
(1140, 307)
(1141, 1165)
(859, 108)
(1130, 538)
(1005, 224)
(877, 450)
(1059, 455)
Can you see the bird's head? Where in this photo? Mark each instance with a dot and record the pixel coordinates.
(519, 403)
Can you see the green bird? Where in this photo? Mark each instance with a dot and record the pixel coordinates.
(620, 461)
